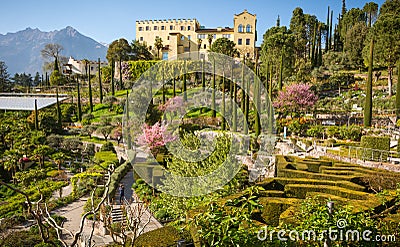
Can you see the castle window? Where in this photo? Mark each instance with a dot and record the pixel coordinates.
(247, 41)
(228, 36)
(240, 28)
(182, 28)
(182, 38)
(155, 28)
(141, 38)
(248, 28)
(205, 46)
(171, 27)
(147, 28)
(162, 27)
(240, 42)
(189, 27)
(140, 28)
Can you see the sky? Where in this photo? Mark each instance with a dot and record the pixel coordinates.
(105, 21)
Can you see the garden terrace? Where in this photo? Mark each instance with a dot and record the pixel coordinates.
(322, 178)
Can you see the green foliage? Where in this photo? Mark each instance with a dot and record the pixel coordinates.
(163, 237)
(375, 142)
(106, 158)
(224, 46)
(315, 131)
(21, 238)
(116, 177)
(272, 208)
(108, 146)
(229, 222)
(137, 68)
(84, 181)
(87, 119)
(30, 176)
(314, 215)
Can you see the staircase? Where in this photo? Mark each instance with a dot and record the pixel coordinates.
(117, 215)
(103, 180)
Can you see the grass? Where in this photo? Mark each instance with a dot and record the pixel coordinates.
(93, 139)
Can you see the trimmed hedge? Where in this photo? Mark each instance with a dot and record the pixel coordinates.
(358, 205)
(286, 173)
(278, 184)
(301, 190)
(116, 177)
(106, 158)
(162, 237)
(375, 142)
(273, 207)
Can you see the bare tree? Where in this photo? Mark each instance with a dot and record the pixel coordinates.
(41, 215)
(137, 218)
(51, 51)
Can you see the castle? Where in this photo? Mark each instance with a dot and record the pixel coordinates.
(187, 35)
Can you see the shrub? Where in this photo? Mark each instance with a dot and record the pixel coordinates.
(375, 142)
(162, 237)
(108, 146)
(315, 131)
(87, 119)
(273, 207)
(116, 177)
(106, 158)
(301, 190)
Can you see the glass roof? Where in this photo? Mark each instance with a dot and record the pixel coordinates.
(24, 103)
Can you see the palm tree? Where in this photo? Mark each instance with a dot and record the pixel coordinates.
(210, 38)
(158, 45)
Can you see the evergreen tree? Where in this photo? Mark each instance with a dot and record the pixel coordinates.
(368, 94)
(100, 84)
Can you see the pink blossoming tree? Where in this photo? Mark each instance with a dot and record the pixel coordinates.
(154, 137)
(295, 98)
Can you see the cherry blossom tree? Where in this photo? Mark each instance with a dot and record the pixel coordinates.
(295, 99)
(154, 137)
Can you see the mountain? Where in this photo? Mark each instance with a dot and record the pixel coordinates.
(21, 50)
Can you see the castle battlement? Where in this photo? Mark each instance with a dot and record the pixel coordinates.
(169, 21)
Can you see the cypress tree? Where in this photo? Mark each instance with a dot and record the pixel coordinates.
(100, 85)
(121, 86)
(59, 120)
(129, 138)
(368, 96)
(313, 46)
(327, 31)
(163, 86)
(257, 101)
(398, 92)
(112, 78)
(203, 76)
(280, 81)
(223, 123)
(243, 103)
(90, 91)
(36, 116)
(330, 31)
(270, 82)
(319, 57)
(247, 107)
(79, 103)
(234, 120)
(184, 82)
(214, 113)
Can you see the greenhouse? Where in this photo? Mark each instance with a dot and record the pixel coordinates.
(26, 102)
